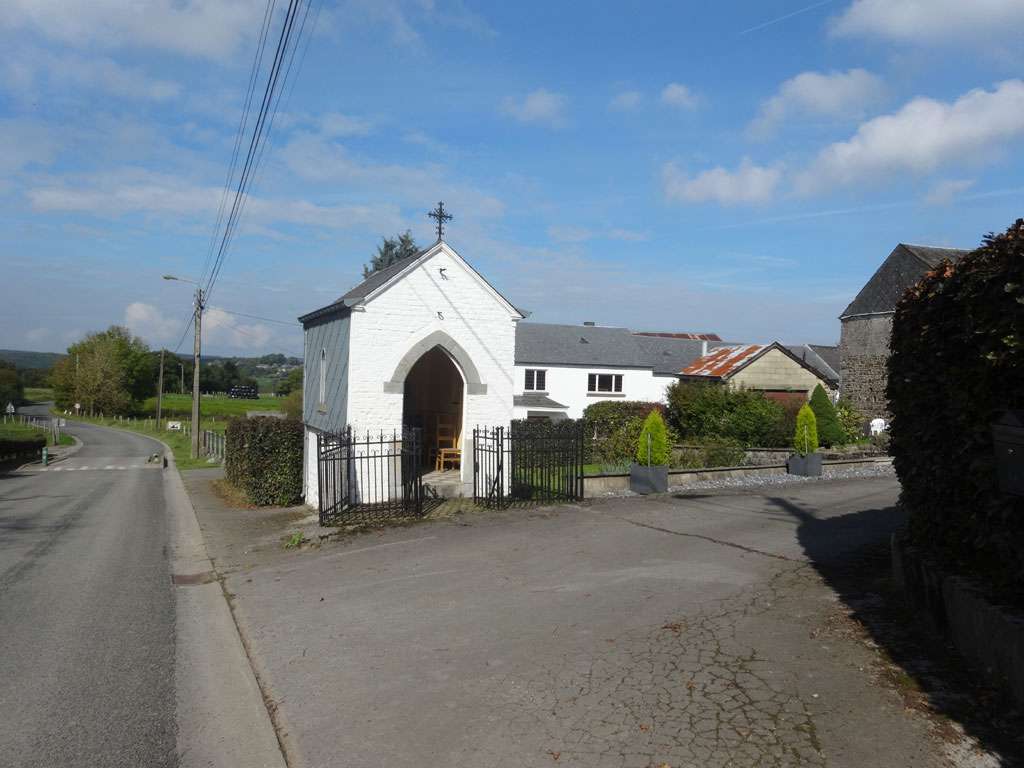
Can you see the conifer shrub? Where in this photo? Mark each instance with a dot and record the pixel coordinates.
(957, 358)
(613, 427)
(806, 438)
(830, 431)
(654, 426)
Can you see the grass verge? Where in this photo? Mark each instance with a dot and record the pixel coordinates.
(21, 431)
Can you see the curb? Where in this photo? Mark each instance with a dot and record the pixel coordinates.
(222, 718)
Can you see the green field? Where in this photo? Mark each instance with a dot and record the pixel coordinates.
(38, 394)
(217, 406)
(19, 432)
(215, 411)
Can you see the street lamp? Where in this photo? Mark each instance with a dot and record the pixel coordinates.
(195, 374)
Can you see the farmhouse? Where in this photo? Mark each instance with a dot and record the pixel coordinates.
(866, 324)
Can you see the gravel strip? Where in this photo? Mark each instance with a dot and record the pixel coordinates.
(758, 481)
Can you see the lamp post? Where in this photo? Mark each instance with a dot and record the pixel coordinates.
(195, 373)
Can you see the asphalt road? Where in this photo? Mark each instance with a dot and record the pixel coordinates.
(692, 630)
(87, 612)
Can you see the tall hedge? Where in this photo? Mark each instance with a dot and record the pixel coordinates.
(958, 356)
(830, 430)
(263, 457)
(612, 428)
(697, 410)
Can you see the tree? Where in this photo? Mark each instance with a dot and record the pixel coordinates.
(11, 388)
(107, 372)
(291, 382)
(830, 430)
(391, 252)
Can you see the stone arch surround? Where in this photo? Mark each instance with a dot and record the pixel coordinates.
(436, 339)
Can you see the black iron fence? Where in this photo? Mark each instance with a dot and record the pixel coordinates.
(536, 461)
(372, 477)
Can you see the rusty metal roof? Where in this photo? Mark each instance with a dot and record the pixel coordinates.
(723, 361)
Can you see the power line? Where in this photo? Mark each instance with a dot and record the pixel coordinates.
(244, 333)
(259, 131)
(255, 317)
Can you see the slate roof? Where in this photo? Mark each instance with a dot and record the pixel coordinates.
(905, 266)
(698, 336)
(667, 355)
(534, 400)
(377, 279)
(724, 361)
(593, 345)
(824, 360)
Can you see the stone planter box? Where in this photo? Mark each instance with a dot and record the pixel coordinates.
(805, 466)
(643, 479)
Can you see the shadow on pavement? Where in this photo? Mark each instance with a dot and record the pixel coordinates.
(851, 554)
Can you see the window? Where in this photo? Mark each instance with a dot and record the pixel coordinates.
(604, 382)
(322, 399)
(536, 380)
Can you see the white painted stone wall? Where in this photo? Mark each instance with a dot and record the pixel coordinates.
(460, 305)
(568, 385)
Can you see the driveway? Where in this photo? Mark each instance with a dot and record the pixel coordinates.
(681, 631)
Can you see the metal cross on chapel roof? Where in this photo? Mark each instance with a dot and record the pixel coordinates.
(441, 217)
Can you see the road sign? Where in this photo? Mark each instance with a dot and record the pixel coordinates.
(77, 406)
(174, 425)
(10, 408)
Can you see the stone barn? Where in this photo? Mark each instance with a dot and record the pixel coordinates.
(866, 325)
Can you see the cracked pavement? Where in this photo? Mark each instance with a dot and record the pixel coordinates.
(681, 631)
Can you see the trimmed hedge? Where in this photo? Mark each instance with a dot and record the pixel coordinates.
(613, 428)
(957, 357)
(21, 449)
(698, 410)
(263, 457)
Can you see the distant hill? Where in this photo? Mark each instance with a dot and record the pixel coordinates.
(22, 359)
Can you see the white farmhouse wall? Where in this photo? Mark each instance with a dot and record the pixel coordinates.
(568, 385)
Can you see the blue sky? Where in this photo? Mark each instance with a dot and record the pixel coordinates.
(738, 168)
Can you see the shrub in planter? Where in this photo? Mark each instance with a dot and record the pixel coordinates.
(650, 475)
(806, 461)
(830, 431)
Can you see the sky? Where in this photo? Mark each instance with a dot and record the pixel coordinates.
(739, 168)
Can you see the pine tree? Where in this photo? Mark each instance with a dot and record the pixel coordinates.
(806, 438)
(830, 429)
(654, 425)
(394, 250)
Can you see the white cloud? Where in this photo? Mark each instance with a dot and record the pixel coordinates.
(628, 234)
(747, 184)
(220, 329)
(677, 95)
(929, 21)
(213, 29)
(37, 335)
(336, 125)
(944, 192)
(627, 101)
(922, 137)
(148, 323)
(540, 106)
(570, 234)
(836, 94)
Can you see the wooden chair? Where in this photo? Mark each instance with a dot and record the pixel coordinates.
(446, 446)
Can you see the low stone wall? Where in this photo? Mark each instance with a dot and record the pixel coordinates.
(990, 637)
(596, 485)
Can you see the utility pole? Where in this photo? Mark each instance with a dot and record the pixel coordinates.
(181, 381)
(160, 393)
(195, 372)
(195, 376)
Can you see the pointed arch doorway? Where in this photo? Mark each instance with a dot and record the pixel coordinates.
(433, 400)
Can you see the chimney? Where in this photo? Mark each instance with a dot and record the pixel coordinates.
(703, 348)
(589, 323)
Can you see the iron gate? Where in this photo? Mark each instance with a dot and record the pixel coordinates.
(536, 461)
(377, 476)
